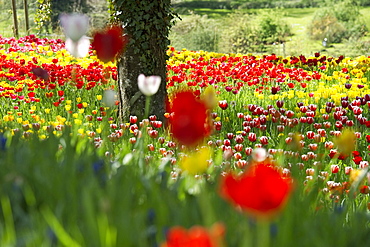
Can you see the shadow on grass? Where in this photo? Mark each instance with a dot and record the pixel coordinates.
(299, 13)
(203, 4)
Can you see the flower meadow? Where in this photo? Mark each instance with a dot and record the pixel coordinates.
(254, 150)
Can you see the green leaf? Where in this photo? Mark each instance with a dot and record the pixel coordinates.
(58, 229)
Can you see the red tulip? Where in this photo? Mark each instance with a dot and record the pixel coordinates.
(133, 119)
(274, 90)
(196, 236)
(239, 139)
(334, 168)
(264, 140)
(310, 120)
(223, 104)
(310, 134)
(368, 138)
(238, 147)
(109, 43)
(252, 137)
(248, 151)
(230, 136)
(279, 103)
(153, 133)
(189, 123)
(260, 190)
(303, 119)
(218, 125)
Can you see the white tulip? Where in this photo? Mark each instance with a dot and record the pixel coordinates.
(109, 97)
(78, 48)
(259, 154)
(74, 25)
(148, 85)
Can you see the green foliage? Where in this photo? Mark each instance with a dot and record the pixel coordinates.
(63, 192)
(196, 33)
(271, 28)
(252, 33)
(239, 33)
(43, 15)
(337, 22)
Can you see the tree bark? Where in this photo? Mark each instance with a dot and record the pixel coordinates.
(132, 102)
(147, 25)
(15, 19)
(26, 16)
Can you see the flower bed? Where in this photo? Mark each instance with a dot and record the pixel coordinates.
(73, 175)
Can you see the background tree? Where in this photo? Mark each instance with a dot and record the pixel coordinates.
(48, 12)
(147, 24)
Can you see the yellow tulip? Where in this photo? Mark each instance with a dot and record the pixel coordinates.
(196, 162)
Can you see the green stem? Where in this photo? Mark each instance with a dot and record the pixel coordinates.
(263, 233)
(147, 106)
(205, 206)
(247, 237)
(140, 142)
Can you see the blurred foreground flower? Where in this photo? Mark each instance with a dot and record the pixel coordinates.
(109, 43)
(196, 162)
(109, 97)
(189, 119)
(3, 140)
(259, 154)
(40, 73)
(346, 142)
(260, 191)
(148, 85)
(78, 48)
(75, 27)
(197, 236)
(209, 97)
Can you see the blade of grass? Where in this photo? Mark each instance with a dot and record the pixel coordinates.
(58, 229)
(10, 235)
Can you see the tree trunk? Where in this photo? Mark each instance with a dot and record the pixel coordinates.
(15, 19)
(147, 24)
(26, 17)
(129, 68)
